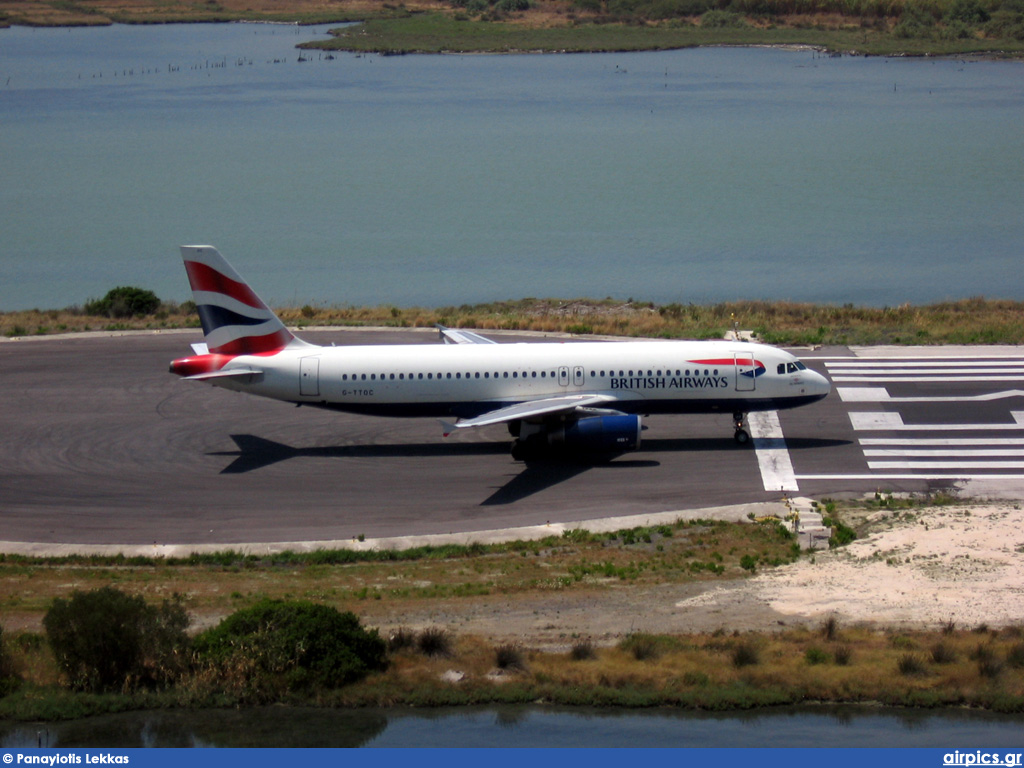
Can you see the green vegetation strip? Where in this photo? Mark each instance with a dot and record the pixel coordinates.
(445, 33)
(970, 321)
(288, 632)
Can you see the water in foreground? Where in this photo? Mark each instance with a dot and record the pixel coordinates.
(527, 726)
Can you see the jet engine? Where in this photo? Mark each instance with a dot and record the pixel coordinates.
(591, 435)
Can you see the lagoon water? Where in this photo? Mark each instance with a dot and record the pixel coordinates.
(688, 176)
(528, 726)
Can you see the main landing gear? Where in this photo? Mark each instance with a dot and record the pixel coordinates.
(741, 436)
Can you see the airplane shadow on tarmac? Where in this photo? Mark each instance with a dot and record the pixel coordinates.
(256, 452)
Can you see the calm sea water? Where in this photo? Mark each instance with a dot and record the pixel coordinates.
(684, 176)
(526, 726)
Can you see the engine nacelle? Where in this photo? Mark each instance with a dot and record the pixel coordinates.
(594, 434)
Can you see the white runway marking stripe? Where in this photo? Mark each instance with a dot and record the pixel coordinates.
(942, 441)
(892, 379)
(934, 363)
(946, 465)
(881, 395)
(772, 454)
(866, 421)
(923, 372)
(912, 453)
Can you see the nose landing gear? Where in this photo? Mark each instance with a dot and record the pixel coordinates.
(741, 436)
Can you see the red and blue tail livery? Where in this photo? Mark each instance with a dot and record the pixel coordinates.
(235, 320)
(553, 397)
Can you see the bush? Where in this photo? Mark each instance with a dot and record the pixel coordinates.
(582, 650)
(8, 680)
(435, 642)
(816, 656)
(967, 12)
(124, 301)
(943, 653)
(745, 655)
(509, 657)
(291, 645)
(911, 664)
(717, 19)
(106, 640)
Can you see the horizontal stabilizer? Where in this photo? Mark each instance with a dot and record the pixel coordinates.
(233, 373)
(200, 348)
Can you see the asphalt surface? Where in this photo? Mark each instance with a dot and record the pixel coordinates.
(100, 445)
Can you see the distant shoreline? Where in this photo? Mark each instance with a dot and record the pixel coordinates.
(567, 26)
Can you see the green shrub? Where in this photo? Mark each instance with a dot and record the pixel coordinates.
(292, 645)
(434, 641)
(582, 650)
(8, 679)
(816, 656)
(745, 655)
(943, 653)
(106, 640)
(911, 664)
(124, 301)
(509, 657)
(967, 12)
(717, 19)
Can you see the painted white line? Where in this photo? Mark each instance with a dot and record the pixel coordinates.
(863, 394)
(881, 395)
(912, 379)
(866, 421)
(921, 453)
(941, 441)
(904, 476)
(869, 420)
(857, 365)
(903, 371)
(946, 465)
(772, 454)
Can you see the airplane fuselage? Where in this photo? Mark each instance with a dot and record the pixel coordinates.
(642, 377)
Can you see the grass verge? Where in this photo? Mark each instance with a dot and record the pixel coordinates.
(969, 321)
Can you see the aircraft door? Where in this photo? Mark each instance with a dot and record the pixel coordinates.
(745, 379)
(309, 376)
(563, 376)
(577, 376)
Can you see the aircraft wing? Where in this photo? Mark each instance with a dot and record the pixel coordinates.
(531, 410)
(454, 336)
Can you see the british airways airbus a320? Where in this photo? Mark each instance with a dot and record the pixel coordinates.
(553, 397)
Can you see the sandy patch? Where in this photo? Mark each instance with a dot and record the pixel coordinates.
(914, 568)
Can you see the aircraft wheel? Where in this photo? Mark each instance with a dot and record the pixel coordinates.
(741, 437)
(518, 451)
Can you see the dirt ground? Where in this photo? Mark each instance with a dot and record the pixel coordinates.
(920, 567)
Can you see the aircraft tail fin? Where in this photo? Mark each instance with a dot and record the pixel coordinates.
(235, 320)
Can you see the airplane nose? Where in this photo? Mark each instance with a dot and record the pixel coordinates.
(820, 385)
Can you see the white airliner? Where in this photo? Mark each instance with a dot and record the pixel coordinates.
(554, 397)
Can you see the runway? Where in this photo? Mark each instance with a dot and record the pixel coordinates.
(102, 446)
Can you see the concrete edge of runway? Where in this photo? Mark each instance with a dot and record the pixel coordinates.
(731, 513)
